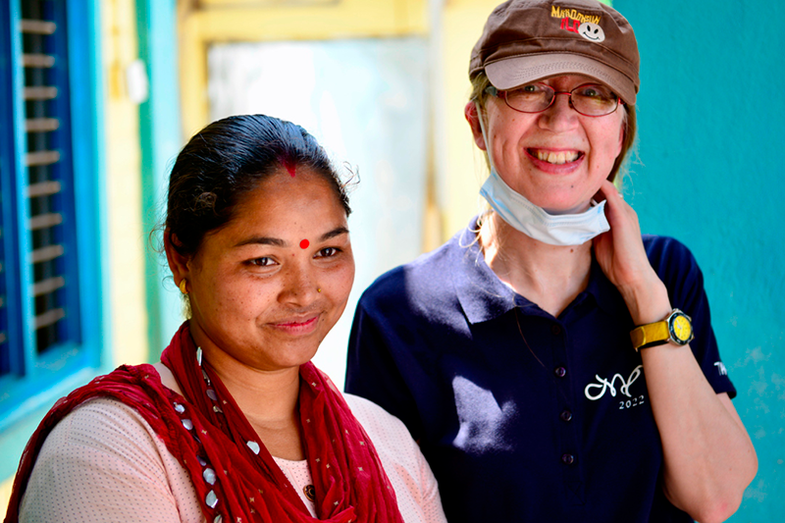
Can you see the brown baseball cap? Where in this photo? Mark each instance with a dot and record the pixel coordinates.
(528, 40)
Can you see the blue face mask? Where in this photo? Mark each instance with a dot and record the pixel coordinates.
(534, 221)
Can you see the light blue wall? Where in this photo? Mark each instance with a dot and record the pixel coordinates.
(711, 111)
(161, 141)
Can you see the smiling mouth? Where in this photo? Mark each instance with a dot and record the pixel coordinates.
(295, 323)
(296, 328)
(556, 158)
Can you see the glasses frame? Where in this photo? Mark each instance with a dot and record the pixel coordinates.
(491, 90)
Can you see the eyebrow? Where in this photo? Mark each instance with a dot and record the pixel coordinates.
(335, 232)
(277, 242)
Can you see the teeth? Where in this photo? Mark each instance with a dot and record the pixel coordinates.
(557, 158)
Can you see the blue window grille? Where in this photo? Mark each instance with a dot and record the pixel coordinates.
(50, 234)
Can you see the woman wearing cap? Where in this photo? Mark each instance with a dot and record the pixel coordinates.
(553, 364)
(235, 424)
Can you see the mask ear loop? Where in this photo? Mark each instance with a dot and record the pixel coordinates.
(484, 134)
(485, 139)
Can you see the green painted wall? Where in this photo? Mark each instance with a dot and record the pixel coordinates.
(161, 140)
(711, 111)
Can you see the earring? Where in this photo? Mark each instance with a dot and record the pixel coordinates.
(183, 286)
(318, 289)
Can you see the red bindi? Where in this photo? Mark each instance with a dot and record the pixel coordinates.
(305, 243)
(290, 166)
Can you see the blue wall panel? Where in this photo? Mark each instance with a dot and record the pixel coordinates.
(711, 111)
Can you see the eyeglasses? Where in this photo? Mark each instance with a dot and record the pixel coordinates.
(586, 99)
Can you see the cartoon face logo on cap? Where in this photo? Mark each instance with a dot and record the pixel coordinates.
(591, 32)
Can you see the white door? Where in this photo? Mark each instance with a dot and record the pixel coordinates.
(365, 101)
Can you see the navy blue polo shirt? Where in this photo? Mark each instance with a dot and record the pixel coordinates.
(523, 416)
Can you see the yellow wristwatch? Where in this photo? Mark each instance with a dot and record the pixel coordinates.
(677, 327)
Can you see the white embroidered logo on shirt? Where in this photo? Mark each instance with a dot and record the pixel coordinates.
(604, 384)
(721, 368)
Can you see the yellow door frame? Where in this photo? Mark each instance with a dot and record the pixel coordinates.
(206, 22)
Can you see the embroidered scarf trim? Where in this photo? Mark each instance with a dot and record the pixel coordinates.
(235, 477)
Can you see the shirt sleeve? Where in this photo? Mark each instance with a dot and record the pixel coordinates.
(103, 462)
(679, 270)
(372, 369)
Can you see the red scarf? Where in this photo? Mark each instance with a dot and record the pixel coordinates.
(206, 433)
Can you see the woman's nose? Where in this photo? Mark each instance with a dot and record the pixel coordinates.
(299, 286)
(560, 115)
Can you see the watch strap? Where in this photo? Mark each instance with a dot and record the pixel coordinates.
(650, 335)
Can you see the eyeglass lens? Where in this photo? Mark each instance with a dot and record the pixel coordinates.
(587, 99)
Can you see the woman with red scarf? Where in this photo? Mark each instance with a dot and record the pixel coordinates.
(235, 424)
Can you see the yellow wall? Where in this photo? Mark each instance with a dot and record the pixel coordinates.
(5, 493)
(127, 240)
(464, 166)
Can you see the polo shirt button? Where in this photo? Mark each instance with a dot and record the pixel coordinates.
(560, 372)
(555, 329)
(567, 459)
(566, 415)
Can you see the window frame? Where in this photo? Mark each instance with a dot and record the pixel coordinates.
(33, 382)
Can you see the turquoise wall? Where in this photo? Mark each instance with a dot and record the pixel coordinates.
(161, 141)
(712, 174)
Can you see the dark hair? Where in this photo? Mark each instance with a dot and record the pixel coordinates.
(480, 83)
(228, 159)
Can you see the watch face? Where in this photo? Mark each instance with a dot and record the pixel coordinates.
(681, 328)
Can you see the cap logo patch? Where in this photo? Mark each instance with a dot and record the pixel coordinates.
(576, 22)
(574, 14)
(591, 32)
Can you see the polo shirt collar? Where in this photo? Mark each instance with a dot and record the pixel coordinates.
(481, 293)
(484, 297)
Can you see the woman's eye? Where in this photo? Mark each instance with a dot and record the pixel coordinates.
(262, 262)
(527, 92)
(595, 92)
(327, 252)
